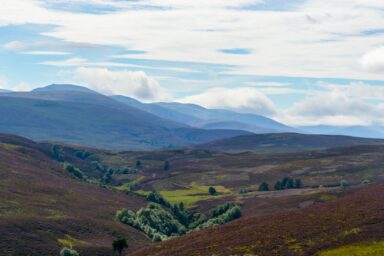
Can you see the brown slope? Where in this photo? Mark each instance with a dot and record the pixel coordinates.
(355, 218)
(40, 204)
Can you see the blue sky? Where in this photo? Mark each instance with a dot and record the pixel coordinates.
(302, 62)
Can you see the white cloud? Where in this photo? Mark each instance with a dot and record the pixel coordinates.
(135, 84)
(341, 105)
(329, 43)
(14, 46)
(71, 62)
(46, 53)
(244, 99)
(373, 60)
(267, 84)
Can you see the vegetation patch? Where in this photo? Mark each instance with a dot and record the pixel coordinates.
(193, 195)
(366, 249)
(70, 242)
(161, 220)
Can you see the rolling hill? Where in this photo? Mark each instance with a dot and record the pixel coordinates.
(76, 115)
(43, 208)
(285, 142)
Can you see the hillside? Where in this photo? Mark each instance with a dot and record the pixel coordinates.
(354, 219)
(285, 142)
(42, 206)
(80, 116)
(199, 117)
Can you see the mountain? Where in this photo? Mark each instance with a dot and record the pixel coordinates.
(357, 131)
(354, 223)
(44, 207)
(79, 116)
(286, 142)
(63, 87)
(197, 116)
(4, 91)
(157, 110)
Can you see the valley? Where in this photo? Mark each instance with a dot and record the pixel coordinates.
(79, 209)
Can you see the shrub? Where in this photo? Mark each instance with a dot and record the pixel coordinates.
(75, 171)
(138, 164)
(119, 244)
(298, 183)
(278, 186)
(344, 183)
(82, 154)
(264, 187)
(166, 165)
(212, 191)
(68, 252)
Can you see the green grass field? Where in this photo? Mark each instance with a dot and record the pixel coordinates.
(367, 249)
(193, 195)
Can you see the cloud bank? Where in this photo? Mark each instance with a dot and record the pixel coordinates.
(135, 84)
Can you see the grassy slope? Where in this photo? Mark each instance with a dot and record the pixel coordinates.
(41, 206)
(353, 219)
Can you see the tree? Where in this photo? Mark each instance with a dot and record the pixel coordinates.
(284, 182)
(166, 165)
(344, 183)
(289, 184)
(138, 164)
(298, 183)
(68, 252)
(119, 244)
(212, 191)
(264, 186)
(278, 186)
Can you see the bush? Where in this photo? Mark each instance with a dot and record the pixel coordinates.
(82, 154)
(119, 244)
(166, 166)
(264, 187)
(68, 252)
(212, 191)
(75, 171)
(278, 186)
(298, 183)
(344, 183)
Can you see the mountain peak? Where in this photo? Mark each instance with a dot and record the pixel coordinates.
(63, 87)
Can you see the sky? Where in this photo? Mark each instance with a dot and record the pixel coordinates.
(301, 62)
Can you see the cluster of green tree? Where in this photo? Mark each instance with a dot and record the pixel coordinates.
(156, 222)
(73, 170)
(82, 154)
(285, 183)
(161, 220)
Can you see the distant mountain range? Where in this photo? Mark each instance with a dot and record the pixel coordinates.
(77, 115)
(199, 117)
(356, 131)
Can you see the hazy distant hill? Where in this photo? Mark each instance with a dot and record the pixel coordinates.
(80, 116)
(357, 131)
(285, 142)
(200, 117)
